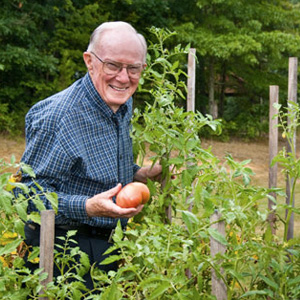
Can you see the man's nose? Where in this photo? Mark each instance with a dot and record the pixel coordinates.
(123, 75)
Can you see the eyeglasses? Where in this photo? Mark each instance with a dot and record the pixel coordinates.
(114, 68)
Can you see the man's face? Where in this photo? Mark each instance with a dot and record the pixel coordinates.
(121, 47)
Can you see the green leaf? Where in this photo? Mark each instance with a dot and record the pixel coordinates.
(111, 293)
(21, 209)
(252, 293)
(110, 259)
(8, 248)
(35, 217)
(119, 234)
(71, 233)
(209, 206)
(175, 65)
(217, 236)
(39, 204)
(28, 170)
(190, 220)
(53, 198)
(2, 285)
(269, 282)
(5, 202)
(191, 144)
(294, 281)
(19, 227)
(34, 254)
(21, 186)
(268, 235)
(164, 286)
(76, 294)
(84, 260)
(176, 161)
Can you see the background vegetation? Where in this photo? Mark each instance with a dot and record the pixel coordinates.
(242, 48)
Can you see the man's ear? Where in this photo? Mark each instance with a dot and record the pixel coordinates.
(88, 61)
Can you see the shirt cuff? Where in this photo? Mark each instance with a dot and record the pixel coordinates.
(73, 207)
(135, 168)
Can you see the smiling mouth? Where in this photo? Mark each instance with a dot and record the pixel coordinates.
(118, 89)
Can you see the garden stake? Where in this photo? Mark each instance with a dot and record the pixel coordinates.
(47, 246)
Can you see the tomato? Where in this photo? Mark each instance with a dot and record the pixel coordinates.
(133, 194)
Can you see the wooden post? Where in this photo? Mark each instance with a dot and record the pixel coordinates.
(191, 90)
(191, 105)
(292, 96)
(273, 150)
(191, 80)
(47, 245)
(219, 288)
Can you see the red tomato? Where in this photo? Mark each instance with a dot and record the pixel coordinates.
(133, 194)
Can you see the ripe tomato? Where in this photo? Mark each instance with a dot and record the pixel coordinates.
(133, 194)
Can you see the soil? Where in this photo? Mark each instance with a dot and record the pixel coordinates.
(255, 151)
(11, 147)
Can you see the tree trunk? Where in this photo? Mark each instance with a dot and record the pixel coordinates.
(222, 91)
(213, 107)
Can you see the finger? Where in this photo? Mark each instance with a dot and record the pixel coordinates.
(113, 192)
(130, 212)
(156, 170)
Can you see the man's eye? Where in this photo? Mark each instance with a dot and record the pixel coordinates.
(112, 66)
(134, 69)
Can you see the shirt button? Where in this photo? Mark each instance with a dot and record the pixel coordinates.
(121, 156)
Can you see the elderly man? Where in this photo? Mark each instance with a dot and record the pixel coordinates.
(78, 142)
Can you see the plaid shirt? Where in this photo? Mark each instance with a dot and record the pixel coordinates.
(78, 148)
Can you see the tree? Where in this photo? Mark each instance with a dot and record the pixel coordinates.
(242, 47)
(42, 44)
(25, 64)
(243, 44)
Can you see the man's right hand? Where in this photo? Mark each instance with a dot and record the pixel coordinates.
(102, 205)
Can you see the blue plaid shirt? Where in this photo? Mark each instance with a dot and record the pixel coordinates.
(78, 148)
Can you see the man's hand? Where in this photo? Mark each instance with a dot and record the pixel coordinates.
(154, 173)
(102, 205)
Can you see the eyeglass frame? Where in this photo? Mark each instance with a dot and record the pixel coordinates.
(120, 66)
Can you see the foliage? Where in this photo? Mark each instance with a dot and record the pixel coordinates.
(247, 42)
(13, 210)
(25, 63)
(14, 206)
(162, 258)
(287, 158)
(247, 45)
(251, 269)
(6, 121)
(166, 127)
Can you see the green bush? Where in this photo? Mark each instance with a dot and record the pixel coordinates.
(7, 123)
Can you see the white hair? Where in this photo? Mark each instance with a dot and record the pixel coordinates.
(104, 27)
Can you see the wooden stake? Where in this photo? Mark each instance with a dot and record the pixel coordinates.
(219, 288)
(292, 96)
(191, 85)
(47, 245)
(273, 150)
(191, 80)
(191, 91)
